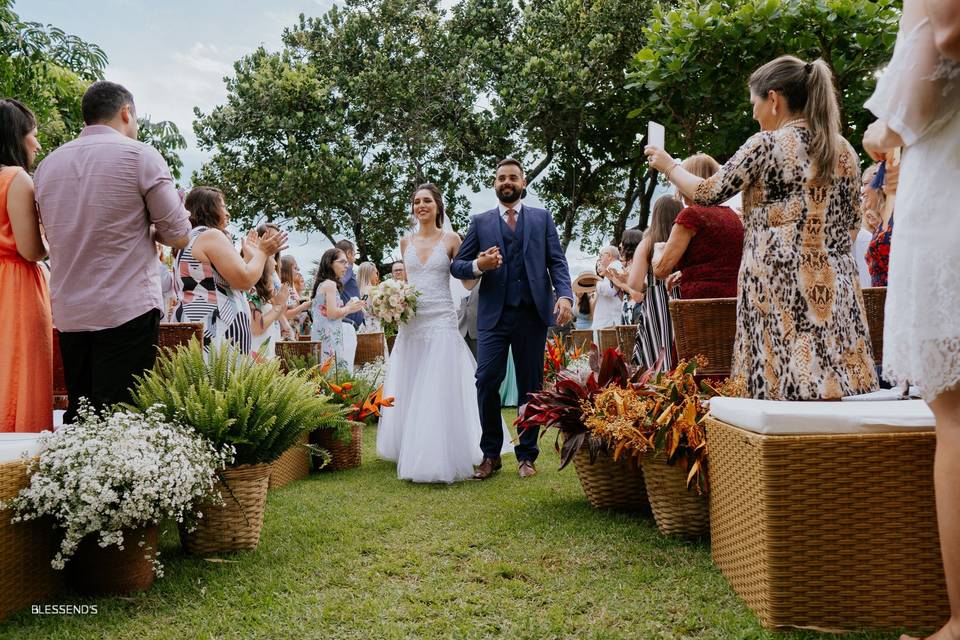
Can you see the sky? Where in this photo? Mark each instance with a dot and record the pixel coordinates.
(173, 55)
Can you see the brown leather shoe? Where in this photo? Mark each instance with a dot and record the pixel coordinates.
(487, 468)
(527, 469)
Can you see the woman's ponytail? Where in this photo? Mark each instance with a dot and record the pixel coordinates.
(823, 117)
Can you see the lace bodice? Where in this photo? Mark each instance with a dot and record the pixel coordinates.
(435, 310)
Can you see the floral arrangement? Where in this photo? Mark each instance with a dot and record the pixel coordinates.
(123, 471)
(371, 372)
(558, 357)
(361, 395)
(393, 302)
(621, 419)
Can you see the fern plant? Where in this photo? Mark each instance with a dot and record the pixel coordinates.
(231, 399)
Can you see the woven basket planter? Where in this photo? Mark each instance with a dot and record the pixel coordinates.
(101, 571)
(611, 484)
(293, 464)
(370, 346)
(608, 339)
(176, 334)
(343, 455)
(235, 525)
(677, 510)
(26, 549)
(830, 531)
(626, 340)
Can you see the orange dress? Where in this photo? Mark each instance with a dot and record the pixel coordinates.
(26, 357)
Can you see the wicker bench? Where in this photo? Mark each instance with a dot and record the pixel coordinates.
(828, 530)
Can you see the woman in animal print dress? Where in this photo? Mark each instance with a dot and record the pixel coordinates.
(801, 327)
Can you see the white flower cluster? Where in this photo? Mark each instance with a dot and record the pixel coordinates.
(580, 367)
(393, 301)
(371, 373)
(120, 471)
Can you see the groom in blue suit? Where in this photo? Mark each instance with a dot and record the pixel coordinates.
(524, 288)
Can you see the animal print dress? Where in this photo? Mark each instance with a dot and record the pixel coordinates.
(801, 326)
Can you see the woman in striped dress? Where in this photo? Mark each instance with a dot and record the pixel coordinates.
(213, 276)
(654, 329)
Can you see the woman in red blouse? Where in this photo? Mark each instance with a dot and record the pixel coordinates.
(705, 245)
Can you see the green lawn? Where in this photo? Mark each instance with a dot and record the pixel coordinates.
(359, 554)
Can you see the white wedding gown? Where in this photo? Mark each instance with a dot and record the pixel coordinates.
(433, 430)
(919, 97)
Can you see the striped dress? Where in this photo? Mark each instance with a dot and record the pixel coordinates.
(205, 296)
(654, 328)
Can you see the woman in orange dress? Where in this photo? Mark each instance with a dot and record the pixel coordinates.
(26, 360)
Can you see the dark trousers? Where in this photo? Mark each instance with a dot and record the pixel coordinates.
(100, 365)
(522, 329)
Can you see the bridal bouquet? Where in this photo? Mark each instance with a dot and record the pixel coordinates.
(393, 302)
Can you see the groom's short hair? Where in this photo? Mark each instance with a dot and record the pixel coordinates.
(510, 161)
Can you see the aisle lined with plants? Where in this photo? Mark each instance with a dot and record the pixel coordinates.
(358, 554)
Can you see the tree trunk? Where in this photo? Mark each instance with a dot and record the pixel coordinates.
(646, 195)
(629, 198)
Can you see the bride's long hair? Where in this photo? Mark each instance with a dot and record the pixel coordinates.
(437, 197)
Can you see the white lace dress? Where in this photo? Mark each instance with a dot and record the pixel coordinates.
(433, 430)
(919, 98)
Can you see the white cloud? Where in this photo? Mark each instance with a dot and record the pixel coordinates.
(205, 58)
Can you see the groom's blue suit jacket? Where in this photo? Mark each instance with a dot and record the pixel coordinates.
(543, 259)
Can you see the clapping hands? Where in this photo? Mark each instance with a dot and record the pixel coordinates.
(270, 243)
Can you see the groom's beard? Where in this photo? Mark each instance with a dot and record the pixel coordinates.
(508, 194)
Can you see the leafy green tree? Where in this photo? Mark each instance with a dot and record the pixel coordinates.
(558, 87)
(166, 138)
(693, 72)
(334, 131)
(48, 70)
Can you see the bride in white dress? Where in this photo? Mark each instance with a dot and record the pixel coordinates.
(433, 430)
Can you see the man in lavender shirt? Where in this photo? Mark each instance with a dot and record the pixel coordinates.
(98, 197)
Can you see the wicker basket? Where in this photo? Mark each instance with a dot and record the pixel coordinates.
(626, 340)
(236, 525)
(874, 300)
(706, 327)
(582, 338)
(293, 464)
(102, 571)
(611, 484)
(175, 334)
(828, 531)
(608, 339)
(26, 549)
(343, 455)
(677, 510)
(289, 350)
(370, 346)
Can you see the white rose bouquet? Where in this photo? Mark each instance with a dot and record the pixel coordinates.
(393, 302)
(121, 471)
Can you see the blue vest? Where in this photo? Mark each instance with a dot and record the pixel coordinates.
(518, 287)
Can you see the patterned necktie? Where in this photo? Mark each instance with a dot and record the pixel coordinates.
(512, 219)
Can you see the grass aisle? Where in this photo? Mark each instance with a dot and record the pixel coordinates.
(359, 554)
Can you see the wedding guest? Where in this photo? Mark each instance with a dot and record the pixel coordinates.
(629, 312)
(337, 338)
(398, 271)
(654, 327)
(467, 319)
(884, 186)
(26, 360)
(871, 200)
(268, 305)
(367, 278)
(584, 287)
(350, 288)
(286, 331)
(606, 310)
(167, 290)
(297, 305)
(917, 103)
(213, 276)
(801, 326)
(705, 243)
(98, 196)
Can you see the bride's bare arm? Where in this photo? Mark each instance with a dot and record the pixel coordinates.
(453, 246)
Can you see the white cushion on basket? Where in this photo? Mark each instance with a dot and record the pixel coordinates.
(14, 445)
(772, 417)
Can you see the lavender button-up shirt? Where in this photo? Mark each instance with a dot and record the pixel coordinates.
(98, 196)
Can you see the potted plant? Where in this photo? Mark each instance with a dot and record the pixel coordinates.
(361, 395)
(676, 475)
(232, 400)
(107, 482)
(608, 481)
